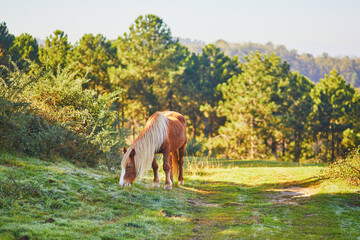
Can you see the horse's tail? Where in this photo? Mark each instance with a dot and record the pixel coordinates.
(175, 164)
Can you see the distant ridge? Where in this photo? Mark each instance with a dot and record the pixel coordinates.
(312, 67)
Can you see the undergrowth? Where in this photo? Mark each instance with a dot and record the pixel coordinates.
(49, 115)
(346, 168)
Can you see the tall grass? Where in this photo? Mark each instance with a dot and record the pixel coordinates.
(196, 165)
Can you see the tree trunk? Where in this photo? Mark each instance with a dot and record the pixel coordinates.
(211, 125)
(326, 147)
(297, 149)
(252, 143)
(283, 148)
(338, 146)
(273, 146)
(193, 120)
(170, 96)
(122, 116)
(332, 144)
(133, 129)
(206, 130)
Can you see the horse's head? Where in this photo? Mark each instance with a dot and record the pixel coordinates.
(128, 171)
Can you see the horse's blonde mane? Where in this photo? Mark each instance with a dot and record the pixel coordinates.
(147, 143)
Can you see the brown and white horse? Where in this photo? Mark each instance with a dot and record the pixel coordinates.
(164, 132)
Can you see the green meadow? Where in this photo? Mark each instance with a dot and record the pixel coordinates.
(221, 199)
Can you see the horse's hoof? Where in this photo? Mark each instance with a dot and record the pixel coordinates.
(167, 187)
(156, 185)
(181, 183)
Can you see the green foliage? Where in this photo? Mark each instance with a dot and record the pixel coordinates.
(94, 56)
(54, 55)
(6, 41)
(333, 101)
(249, 107)
(14, 112)
(196, 88)
(61, 99)
(25, 48)
(51, 115)
(194, 148)
(347, 168)
(295, 105)
(151, 55)
(85, 95)
(308, 65)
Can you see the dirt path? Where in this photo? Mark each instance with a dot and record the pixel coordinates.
(220, 207)
(290, 195)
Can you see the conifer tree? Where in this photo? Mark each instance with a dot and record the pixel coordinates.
(55, 52)
(148, 54)
(94, 56)
(295, 105)
(333, 102)
(6, 42)
(249, 107)
(25, 48)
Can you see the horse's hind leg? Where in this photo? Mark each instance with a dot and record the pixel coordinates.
(174, 165)
(181, 164)
(155, 167)
(167, 169)
(171, 167)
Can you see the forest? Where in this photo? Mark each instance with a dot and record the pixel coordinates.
(312, 67)
(85, 101)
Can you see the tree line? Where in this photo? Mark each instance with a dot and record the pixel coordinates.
(249, 107)
(312, 67)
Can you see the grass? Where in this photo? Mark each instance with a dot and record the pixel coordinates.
(220, 200)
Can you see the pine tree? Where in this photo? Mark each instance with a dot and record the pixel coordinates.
(295, 105)
(94, 56)
(333, 100)
(55, 53)
(148, 54)
(248, 105)
(25, 48)
(6, 42)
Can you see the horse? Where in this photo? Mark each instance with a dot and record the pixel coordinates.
(165, 133)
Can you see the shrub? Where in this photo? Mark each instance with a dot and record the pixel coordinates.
(52, 115)
(194, 148)
(346, 168)
(14, 112)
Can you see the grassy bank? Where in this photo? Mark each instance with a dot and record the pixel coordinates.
(241, 200)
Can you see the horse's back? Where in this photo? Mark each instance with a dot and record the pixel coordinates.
(176, 130)
(178, 116)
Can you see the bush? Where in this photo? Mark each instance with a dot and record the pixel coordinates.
(52, 115)
(194, 148)
(346, 168)
(14, 112)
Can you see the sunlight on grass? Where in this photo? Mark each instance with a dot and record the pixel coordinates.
(220, 200)
(253, 176)
(196, 190)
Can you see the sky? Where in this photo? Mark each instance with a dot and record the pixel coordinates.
(308, 26)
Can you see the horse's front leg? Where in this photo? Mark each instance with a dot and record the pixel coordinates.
(155, 167)
(167, 170)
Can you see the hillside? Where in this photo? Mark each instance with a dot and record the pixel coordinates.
(222, 200)
(308, 65)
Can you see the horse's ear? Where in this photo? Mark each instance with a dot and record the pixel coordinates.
(132, 153)
(124, 150)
